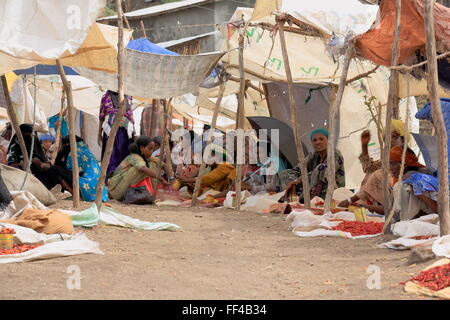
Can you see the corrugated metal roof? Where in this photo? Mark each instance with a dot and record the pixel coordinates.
(172, 43)
(155, 10)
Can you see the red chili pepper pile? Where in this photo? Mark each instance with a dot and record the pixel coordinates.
(435, 279)
(7, 231)
(359, 228)
(18, 249)
(422, 237)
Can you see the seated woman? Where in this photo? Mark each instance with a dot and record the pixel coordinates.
(40, 165)
(369, 166)
(417, 195)
(265, 175)
(371, 193)
(134, 168)
(87, 165)
(316, 164)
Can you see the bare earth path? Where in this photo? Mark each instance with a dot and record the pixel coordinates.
(220, 254)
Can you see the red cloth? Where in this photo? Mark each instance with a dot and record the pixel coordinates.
(147, 182)
(376, 44)
(410, 159)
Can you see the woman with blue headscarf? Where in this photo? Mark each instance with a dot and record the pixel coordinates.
(316, 165)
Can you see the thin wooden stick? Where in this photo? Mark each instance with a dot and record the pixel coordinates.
(155, 104)
(362, 75)
(389, 111)
(294, 125)
(240, 121)
(402, 165)
(119, 114)
(334, 109)
(143, 29)
(408, 68)
(162, 149)
(73, 142)
(198, 180)
(15, 122)
(438, 120)
(58, 130)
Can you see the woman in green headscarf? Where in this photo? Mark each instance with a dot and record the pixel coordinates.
(316, 165)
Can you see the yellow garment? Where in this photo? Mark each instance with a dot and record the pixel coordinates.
(399, 127)
(219, 178)
(10, 79)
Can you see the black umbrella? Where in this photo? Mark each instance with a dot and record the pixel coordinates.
(286, 143)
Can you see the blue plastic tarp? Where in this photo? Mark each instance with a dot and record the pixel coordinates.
(42, 69)
(145, 45)
(425, 114)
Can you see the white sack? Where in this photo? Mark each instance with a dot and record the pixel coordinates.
(21, 200)
(441, 247)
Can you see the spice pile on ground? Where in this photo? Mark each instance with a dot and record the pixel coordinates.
(435, 279)
(18, 249)
(359, 228)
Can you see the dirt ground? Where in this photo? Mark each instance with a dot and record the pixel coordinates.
(220, 254)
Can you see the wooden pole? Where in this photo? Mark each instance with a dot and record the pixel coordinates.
(143, 29)
(208, 142)
(240, 121)
(162, 150)
(155, 105)
(58, 130)
(294, 125)
(120, 112)
(15, 122)
(438, 120)
(73, 143)
(387, 222)
(393, 89)
(333, 113)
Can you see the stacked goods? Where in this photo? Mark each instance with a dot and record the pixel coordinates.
(6, 238)
(435, 279)
(359, 228)
(18, 249)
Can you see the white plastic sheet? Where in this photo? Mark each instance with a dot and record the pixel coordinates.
(331, 16)
(108, 216)
(55, 245)
(319, 226)
(441, 247)
(422, 226)
(32, 30)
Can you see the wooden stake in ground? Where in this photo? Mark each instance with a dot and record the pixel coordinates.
(208, 142)
(119, 114)
(73, 141)
(15, 122)
(240, 122)
(294, 124)
(333, 112)
(162, 148)
(143, 29)
(58, 130)
(438, 120)
(392, 98)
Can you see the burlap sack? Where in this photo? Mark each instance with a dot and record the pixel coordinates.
(14, 178)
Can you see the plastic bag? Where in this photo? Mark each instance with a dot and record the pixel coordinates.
(412, 228)
(86, 218)
(441, 247)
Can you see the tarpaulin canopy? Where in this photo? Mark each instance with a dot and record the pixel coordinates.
(309, 57)
(157, 76)
(376, 44)
(329, 16)
(146, 45)
(33, 31)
